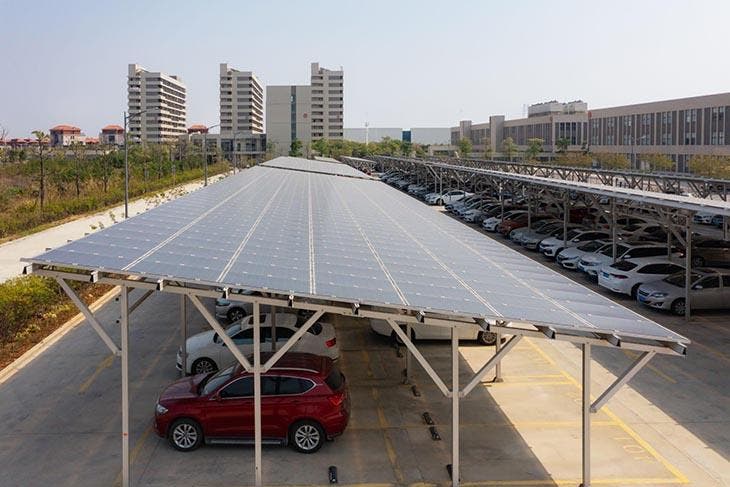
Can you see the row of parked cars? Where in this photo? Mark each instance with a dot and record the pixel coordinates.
(304, 396)
(644, 266)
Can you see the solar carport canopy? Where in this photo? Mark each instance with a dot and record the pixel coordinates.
(312, 233)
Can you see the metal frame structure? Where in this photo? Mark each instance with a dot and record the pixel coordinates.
(672, 210)
(399, 316)
(645, 181)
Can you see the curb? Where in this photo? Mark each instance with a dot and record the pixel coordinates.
(40, 347)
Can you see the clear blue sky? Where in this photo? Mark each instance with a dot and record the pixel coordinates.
(407, 63)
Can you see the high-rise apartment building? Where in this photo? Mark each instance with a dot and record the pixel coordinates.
(327, 103)
(241, 102)
(162, 99)
(305, 112)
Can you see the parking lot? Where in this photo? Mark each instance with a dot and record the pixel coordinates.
(669, 426)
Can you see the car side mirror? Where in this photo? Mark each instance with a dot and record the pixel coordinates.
(697, 286)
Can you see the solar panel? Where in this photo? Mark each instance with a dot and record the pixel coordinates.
(345, 239)
(322, 167)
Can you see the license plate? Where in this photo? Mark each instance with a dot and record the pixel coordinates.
(641, 298)
(604, 274)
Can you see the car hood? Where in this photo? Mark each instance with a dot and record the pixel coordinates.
(597, 259)
(185, 388)
(571, 253)
(551, 242)
(663, 287)
(200, 340)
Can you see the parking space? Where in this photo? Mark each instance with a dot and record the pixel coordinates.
(523, 431)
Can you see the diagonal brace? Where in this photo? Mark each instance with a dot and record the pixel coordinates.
(421, 359)
(638, 364)
(491, 363)
(137, 303)
(290, 343)
(221, 333)
(89, 317)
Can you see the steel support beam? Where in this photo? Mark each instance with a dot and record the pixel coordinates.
(222, 333)
(184, 334)
(688, 267)
(257, 392)
(420, 358)
(273, 328)
(566, 217)
(613, 229)
(491, 363)
(409, 357)
(586, 416)
(90, 316)
(454, 407)
(124, 329)
(620, 381)
(498, 366)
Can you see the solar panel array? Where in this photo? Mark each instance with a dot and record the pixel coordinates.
(347, 239)
(323, 167)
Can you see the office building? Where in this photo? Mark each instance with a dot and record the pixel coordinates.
(241, 102)
(327, 103)
(305, 112)
(157, 106)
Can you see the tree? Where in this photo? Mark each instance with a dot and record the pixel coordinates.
(420, 151)
(509, 148)
(464, 147)
(574, 159)
(406, 148)
(613, 161)
(78, 153)
(41, 137)
(710, 166)
(295, 149)
(488, 153)
(562, 144)
(534, 148)
(657, 162)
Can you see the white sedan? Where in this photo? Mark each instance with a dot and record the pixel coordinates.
(206, 351)
(551, 247)
(626, 276)
(420, 331)
(570, 257)
(490, 224)
(451, 196)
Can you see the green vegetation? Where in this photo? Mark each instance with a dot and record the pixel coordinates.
(386, 147)
(574, 159)
(295, 149)
(509, 148)
(658, 162)
(612, 161)
(51, 185)
(562, 144)
(534, 148)
(710, 166)
(464, 147)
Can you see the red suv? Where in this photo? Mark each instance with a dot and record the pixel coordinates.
(304, 402)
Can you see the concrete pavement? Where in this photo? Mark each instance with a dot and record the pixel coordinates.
(36, 243)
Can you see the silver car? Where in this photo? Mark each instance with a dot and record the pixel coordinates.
(710, 290)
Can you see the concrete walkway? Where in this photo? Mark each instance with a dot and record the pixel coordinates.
(34, 244)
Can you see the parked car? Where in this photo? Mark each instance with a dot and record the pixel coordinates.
(448, 197)
(710, 289)
(436, 196)
(604, 221)
(704, 218)
(551, 247)
(625, 276)
(420, 331)
(591, 264)
(517, 234)
(506, 226)
(233, 310)
(304, 402)
(639, 231)
(207, 352)
(490, 224)
(569, 258)
(717, 221)
(711, 252)
(532, 240)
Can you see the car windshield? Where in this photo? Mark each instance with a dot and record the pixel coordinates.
(591, 246)
(632, 228)
(623, 265)
(620, 249)
(213, 382)
(678, 279)
(335, 379)
(573, 233)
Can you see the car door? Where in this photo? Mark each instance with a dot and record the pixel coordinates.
(288, 403)
(707, 294)
(229, 413)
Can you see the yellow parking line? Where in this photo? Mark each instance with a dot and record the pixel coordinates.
(658, 372)
(135, 451)
(107, 362)
(541, 352)
(643, 443)
(573, 482)
(712, 351)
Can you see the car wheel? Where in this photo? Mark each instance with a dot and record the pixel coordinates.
(204, 366)
(185, 435)
(698, 261)
(487, 338)
(678, 307)
(439, 202)
(635, 290)
(306, 436)
(235, 314)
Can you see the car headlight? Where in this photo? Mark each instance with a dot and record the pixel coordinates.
(658, 295)
(160, 409)
(222, 302)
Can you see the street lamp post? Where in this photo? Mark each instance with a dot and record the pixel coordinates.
(205, 155)
(126, 158)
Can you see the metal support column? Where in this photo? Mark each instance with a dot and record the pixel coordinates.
(409, 357)
(257, 392)
(124, 301)
(454, 407)
(529, 212)
(498, 367)
(184, 334)
(273, 328)
(688, 266)
(613, 229)
(586, 410)
(566, 217)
